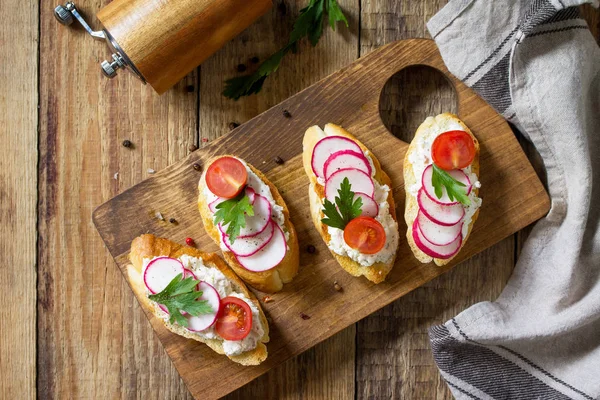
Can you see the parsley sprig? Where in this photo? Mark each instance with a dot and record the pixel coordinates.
(456, 190)
(309, 24)
(233, 213)
(179, 295)
(347, 207)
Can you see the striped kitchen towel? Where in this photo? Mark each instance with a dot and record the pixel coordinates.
(536, 63)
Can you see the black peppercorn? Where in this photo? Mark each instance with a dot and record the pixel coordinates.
(241, 67)
(197, 167)
(233, 125)
(172, 220)
(287, 114)
(190, 88)
(304, 316)
(311, 249)
(254, 60)
(278, 160)
(127, 143)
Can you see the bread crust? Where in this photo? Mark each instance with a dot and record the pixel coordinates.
(412, 206)
(377, 272)
(149, 246)
(266, 281)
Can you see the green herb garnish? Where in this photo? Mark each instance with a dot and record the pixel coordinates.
(456, 190)
(309, 24)
(179, 295)
(233, 213)
(347, 207)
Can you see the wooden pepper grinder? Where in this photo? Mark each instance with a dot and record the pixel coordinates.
(161, 41)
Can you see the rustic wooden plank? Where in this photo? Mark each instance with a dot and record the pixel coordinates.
(326, 371)
(94, 341)
(18, 195)
(351, 97)
(393, 353)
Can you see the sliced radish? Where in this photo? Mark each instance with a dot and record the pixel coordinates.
(247, 246)
(433, 250)
(346, 159)
(430, 191)
(369, 208)
(212, 206)
(326, 147)
(443, 214)
(258, 222)
(359, 180)
(160, 272)
(204, 321)
(269, 256)
(438, 234)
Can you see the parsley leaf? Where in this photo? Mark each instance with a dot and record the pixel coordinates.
(456, 190)
(345, 209)
(233, 213)
(179, 295)
(309, 24)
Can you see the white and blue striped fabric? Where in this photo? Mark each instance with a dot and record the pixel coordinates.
(537, 64)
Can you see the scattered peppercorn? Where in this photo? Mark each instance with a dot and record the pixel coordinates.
(192, 147)
(189, 241)
(287, 114)
(127, 143)
(197, 167)
(241, 67)
(233, 125)
(190, 88)
(172, 220)
(254, 60)
(267, 299)
(304, 316)
(278, 160)
(311, 249)
(337, 286)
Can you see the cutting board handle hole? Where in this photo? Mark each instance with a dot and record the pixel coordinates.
(413, 94)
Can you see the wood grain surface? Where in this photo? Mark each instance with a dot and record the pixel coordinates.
(18, 197)
(514, 197)
(97, 343)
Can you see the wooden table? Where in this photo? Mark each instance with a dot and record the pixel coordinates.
(70, 326)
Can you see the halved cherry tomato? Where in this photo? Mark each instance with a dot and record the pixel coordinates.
(453, 150)
(234, 320)
(226, 177)
(365, 234)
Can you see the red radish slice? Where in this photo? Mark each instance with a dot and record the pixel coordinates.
(160, 272)
(369, 208)
(430, 191)
(346, 159)
(269, 256)
(443, 214)
(247, 246)
(433, 250)
(438, 234)
(360, 182)
(204, 321)
(212, 206)
(326, 147)
(258, 222)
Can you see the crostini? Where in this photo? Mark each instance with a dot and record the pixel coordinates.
(199, 297)
(441, 170)
(351, 202)
(245, 215)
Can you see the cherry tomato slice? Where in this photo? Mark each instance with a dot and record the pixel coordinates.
(234, 320)
(226, 177)
(453, 150)
(365, 234)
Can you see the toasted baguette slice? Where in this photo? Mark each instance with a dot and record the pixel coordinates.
(266, 281)
(316, 192)
(149, 246)
(441, 123)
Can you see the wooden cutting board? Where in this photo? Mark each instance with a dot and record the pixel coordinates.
(512, 194)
